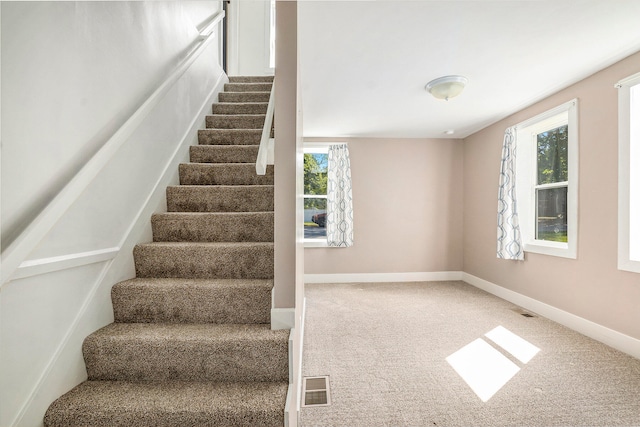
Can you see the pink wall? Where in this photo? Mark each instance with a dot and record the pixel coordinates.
(591, 286)
(407, 207)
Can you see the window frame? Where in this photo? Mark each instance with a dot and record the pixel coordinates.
(315, 148)
(628, 173)
(526, 179)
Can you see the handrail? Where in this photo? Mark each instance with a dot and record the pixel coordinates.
(262, 160)
(26, 242)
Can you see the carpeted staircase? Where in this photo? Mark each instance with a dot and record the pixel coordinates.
(191, 344)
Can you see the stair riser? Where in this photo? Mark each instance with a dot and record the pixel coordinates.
(251, 79)
(229, 136)
(214, 174)
(122, 359)
(235, 122)
(204, 262)
(240, 108)
(223, 154)
(220, 199)
(248, 87)
(243, 96)
(182, 303)
(244, 227)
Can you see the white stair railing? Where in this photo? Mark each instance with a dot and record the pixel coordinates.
(266, 142)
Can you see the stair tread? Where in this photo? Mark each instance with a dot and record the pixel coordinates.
(230, 116)
(188, 332)
(170, 403)
(220, 198)
(232, 132)
(242, 103)
(221, 186)
(223, 174)
(257, 79)
(187, 351)
(194, 215)
(229, 137)
(163, 282)
(175, 300)
(205, 244)
(244, 96)
(228, 154)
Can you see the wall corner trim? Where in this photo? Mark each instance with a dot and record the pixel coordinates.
(615, 339)
(433, 276)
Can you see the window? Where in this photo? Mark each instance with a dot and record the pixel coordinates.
(629, 174)
(315, 195)
(547, 181)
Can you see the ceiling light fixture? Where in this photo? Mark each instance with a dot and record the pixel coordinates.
(446, 87)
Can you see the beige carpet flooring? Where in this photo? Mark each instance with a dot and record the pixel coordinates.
(385, 348)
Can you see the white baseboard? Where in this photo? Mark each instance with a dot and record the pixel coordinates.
(298, 383)
(586, 327)
(433, 276)
(283, 318)
(287, 408)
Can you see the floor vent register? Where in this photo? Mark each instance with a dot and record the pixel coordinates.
(315, 391)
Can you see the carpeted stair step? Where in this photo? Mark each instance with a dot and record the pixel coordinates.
(212, 227)
(248, 87)
(220, 198)
(239, 121)
(170, 404)
(187, 352)
(229, 136)
(244, 96)
(205, 260)
(223, 174)
(192, 301)
(240, 108)
(250, 79)
(223, 153)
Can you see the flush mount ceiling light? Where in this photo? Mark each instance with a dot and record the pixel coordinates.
(446, 87)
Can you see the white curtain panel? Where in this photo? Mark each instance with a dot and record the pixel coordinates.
(509, 237)
(339, 199)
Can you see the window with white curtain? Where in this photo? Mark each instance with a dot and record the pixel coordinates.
(629, 173)
(547, 181)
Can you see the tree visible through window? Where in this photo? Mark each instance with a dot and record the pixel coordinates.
(552, 184)
(315, 195)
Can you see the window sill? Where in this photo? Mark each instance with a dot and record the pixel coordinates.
(562, 250)
(631, 266)
(315, 243)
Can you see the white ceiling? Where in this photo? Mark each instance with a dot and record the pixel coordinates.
(364, 64)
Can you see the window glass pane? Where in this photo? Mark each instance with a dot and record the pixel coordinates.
(315, 215)
(552, 149)
(551, 221)
(315, 173)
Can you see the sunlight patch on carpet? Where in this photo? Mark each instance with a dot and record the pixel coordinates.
(483, 368)
(520, 348)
